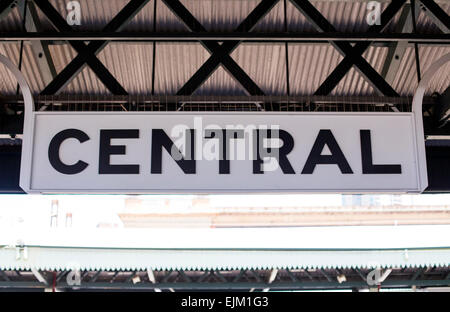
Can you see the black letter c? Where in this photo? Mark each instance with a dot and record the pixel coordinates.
(53, 151)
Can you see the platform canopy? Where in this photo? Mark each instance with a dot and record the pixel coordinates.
(231, 249)
(218, 259)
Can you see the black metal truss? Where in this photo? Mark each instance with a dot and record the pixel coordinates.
(353, 55)
(432, 115)
(437, 13)
(6, 6)
(220, 53)
(217, 103)
(12, 124)
(87, 53)
(244, 280)
(376, 39)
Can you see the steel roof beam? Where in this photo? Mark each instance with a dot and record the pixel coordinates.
(366, 1)
(239, 276)
(61, 275)
(6, 6)
(209, 39)
(440, 18)
(272, 277)
(417, 274)
(352, 55)
(152, 279)
(174, 99)
(87, 53)
(40, 49)
(325, 275)
(291, 276)
(4, 276)
(192, 23)
(397, 50)
(38, 275)
(184, 276)
(220, 54)
(303, 285)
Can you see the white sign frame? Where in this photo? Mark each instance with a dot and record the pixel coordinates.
(29, 133)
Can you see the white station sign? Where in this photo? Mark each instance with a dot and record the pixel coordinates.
(180, 152)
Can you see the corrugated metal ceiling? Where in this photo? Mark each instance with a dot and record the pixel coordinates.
(221, 15)
(309, 64)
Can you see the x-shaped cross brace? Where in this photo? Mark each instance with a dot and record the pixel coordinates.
(87, 53)
(220, 54)
(352, 55)
(442, 19)
(6, 6)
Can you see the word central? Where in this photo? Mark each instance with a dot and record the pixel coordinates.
(219, 143)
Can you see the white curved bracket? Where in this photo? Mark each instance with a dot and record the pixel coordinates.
(24, 87)
(417, 110)
(28, 122)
